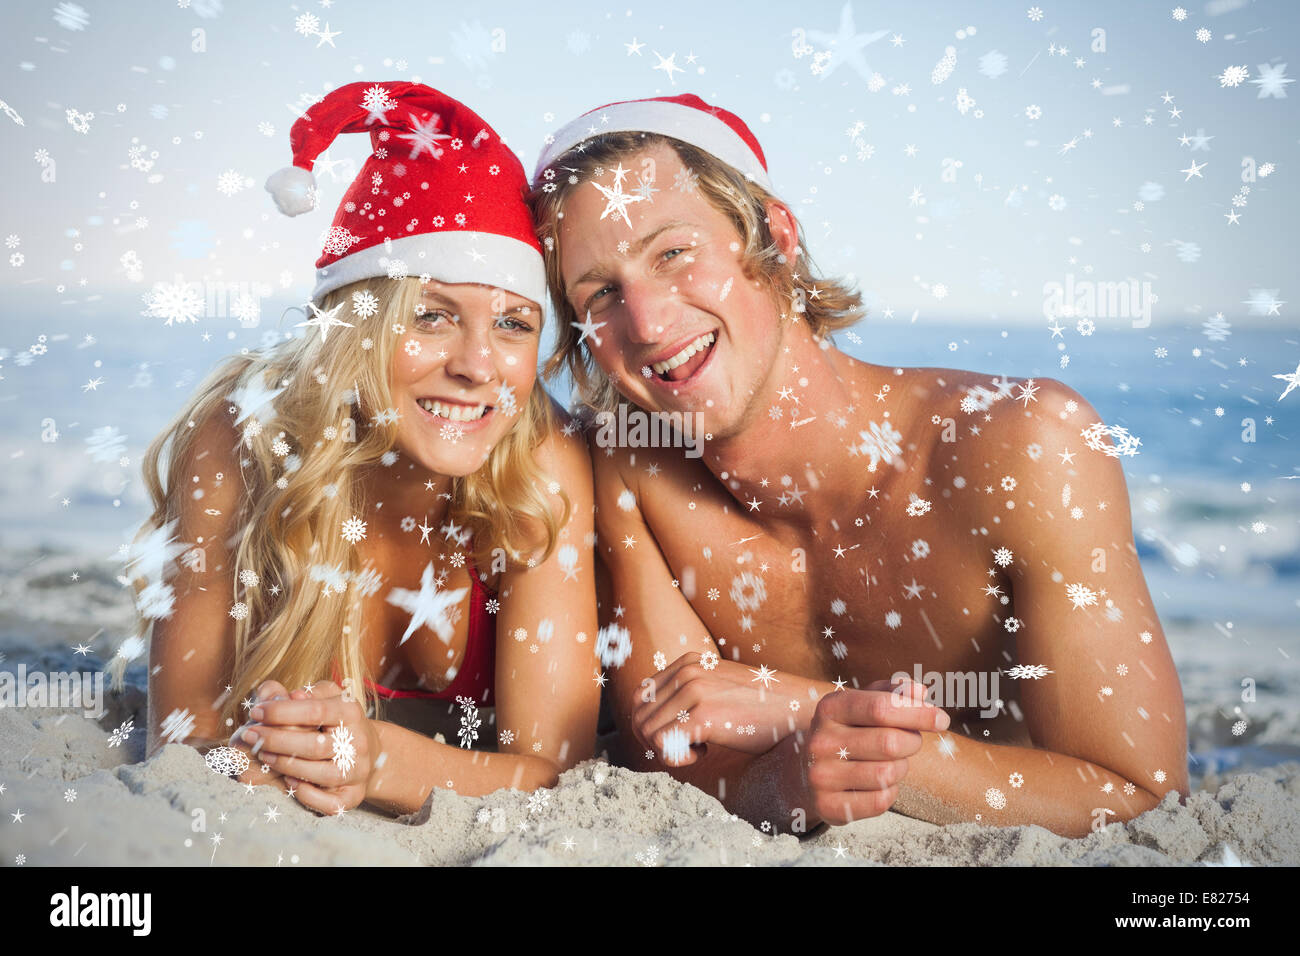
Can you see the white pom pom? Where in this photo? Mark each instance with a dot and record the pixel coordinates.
(293, 189)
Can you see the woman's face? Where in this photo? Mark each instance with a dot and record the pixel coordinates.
(462, 373)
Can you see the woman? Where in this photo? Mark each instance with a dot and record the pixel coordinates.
(385, 495)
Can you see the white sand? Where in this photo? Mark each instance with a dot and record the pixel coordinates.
(126, 812)
(169, 809)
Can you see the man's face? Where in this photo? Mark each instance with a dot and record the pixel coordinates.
(673, 321)
(462, 373)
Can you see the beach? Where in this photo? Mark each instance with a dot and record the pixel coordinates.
(87, 801)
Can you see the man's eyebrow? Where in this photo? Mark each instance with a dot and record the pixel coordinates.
(635, 249)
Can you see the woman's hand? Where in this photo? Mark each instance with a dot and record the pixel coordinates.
(723, 702)
(268, 691)
(323, 744)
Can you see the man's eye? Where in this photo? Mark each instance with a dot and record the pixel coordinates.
(599, 296)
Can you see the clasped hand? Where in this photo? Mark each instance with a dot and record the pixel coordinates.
(321, 742)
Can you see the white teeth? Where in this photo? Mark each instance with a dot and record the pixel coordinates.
(453, 413)
(703, 342)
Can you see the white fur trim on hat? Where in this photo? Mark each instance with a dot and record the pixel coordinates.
(293, 189)
(671, 119)
(451, 257)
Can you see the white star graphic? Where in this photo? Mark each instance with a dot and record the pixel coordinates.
(429, 605)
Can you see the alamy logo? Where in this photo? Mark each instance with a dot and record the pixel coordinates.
(55, 689)
(959, 690)
(102, 909)
(1086, 300)
(634, 428)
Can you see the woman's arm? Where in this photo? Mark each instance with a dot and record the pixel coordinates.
(192, 651)
(546, 693)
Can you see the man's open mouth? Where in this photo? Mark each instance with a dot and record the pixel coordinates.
(684, 364)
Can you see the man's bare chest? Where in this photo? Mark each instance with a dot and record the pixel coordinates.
(857, 599)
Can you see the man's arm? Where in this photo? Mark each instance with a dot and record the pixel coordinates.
(1106, 717)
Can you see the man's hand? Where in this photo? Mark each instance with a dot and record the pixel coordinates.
(858, 746)
(328, 765)
(722, 701)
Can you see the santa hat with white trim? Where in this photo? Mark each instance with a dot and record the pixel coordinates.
(686, 117)
(439, 194)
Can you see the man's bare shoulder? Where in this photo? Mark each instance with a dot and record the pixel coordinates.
(671, 471)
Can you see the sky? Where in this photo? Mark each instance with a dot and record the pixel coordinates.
(952, 158)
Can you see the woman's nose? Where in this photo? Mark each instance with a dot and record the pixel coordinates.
(470, 358)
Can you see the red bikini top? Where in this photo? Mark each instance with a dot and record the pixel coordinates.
(474, 678)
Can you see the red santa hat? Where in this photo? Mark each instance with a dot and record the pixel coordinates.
(439, 194)
(685, 117)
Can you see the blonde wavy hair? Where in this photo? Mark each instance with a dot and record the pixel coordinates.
(826, 304)
(294, 502)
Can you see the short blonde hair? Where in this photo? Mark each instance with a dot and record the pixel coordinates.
(826, 304)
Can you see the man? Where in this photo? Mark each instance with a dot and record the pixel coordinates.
(839, 526)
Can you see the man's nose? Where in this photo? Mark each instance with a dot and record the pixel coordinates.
(649, 308)
(470, 359)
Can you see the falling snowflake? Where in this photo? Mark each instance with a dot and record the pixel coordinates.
(1238, 728)
(105, 444)
(354, 530)
(995, 798)
(1159, 776)
(507, 403)
(917, 507)
(344, 751)
(709, 660)
(893, 620)
(174, 302)
(1122, 443)
(748, 591)
(613, 645)
(239, 611)
(1204, 35)
(649, 856)
(1017, 780)
(1008, 483)
(469, 721)
(1080, 595)
(1179, 14)
(539, 800)
(676, 746)
(118, 737)
(993, 64)
(506, 737)
(1034, 13)
(1233, 76)
(364, 303)
(660, 660)
(1012, 624)
(1002, 557)
(686, 180)
(178, 725)
(308, 24)
(230, 182)
(337, 241)
(1272, 81)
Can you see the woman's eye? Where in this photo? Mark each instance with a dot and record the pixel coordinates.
(434, 317)
(511, 324)
(672, 253)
